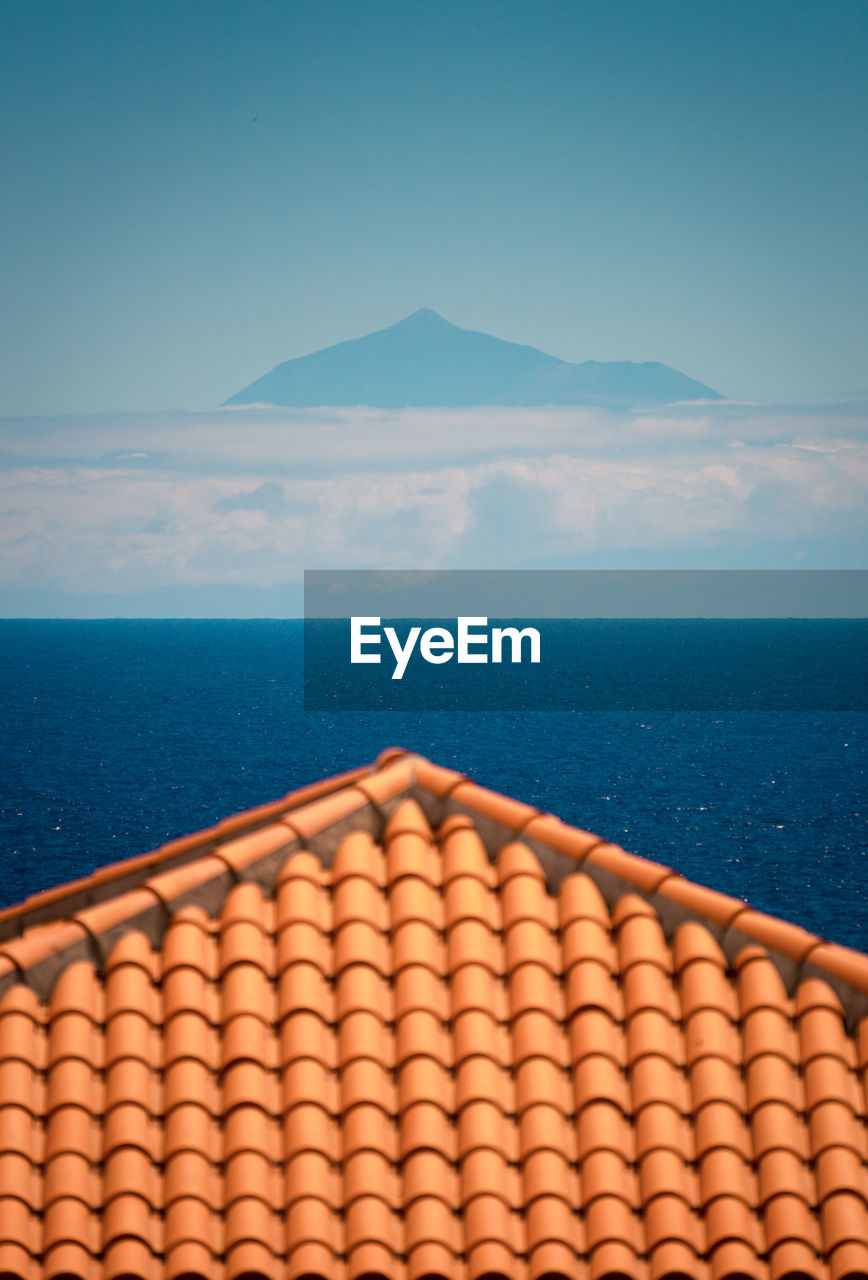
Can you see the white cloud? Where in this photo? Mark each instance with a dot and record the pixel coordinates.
(250, 498)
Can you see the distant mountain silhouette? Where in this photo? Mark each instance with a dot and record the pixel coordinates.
(425, 360)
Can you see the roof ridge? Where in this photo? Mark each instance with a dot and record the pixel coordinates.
(796, 953)
(83, 919)
(47, 905)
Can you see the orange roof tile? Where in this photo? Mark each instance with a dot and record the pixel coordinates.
(398, 1026)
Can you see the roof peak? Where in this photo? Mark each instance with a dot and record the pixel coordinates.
(84, 919)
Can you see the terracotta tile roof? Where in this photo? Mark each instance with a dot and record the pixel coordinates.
(398, 1026)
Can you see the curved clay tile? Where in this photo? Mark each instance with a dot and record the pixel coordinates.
(426, 1172)
(533, 1034)
(782, 1172)
(477, 1032)
(723, 1172)
(716, 1080)
(703, 984)
(586, 939)
(405, 817)
(524, 897)
(591, 985)
(822, 1031)
(663, 1171)
(464, 854)
(602, 1126)
(411, 853)
(641, 939)
(366, 1081)
(469, 941)
(769, 1030)
(661, 1126)
(302, 865)
(654, 1078)
(777, 1126)
(647, 985)
(298, 901)
(516, 859)
(594, 1030)
(466, 897)
(651, 1032)
(244, 942)
(417, 942)
(832, 1123)
(607, 1173)
(357, 855)
(424, 1127)
(693, 941)
(579, 898)
(413, 899)
(355, 898)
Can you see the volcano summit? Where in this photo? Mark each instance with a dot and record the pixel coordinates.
(424, 360)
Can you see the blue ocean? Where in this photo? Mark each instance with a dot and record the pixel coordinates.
(119, 735)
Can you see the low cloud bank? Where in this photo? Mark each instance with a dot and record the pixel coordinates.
(240, 501)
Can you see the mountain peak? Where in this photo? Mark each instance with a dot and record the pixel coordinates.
(424, 315)
(425, 361)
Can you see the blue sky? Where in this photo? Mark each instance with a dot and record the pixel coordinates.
(196, 191)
